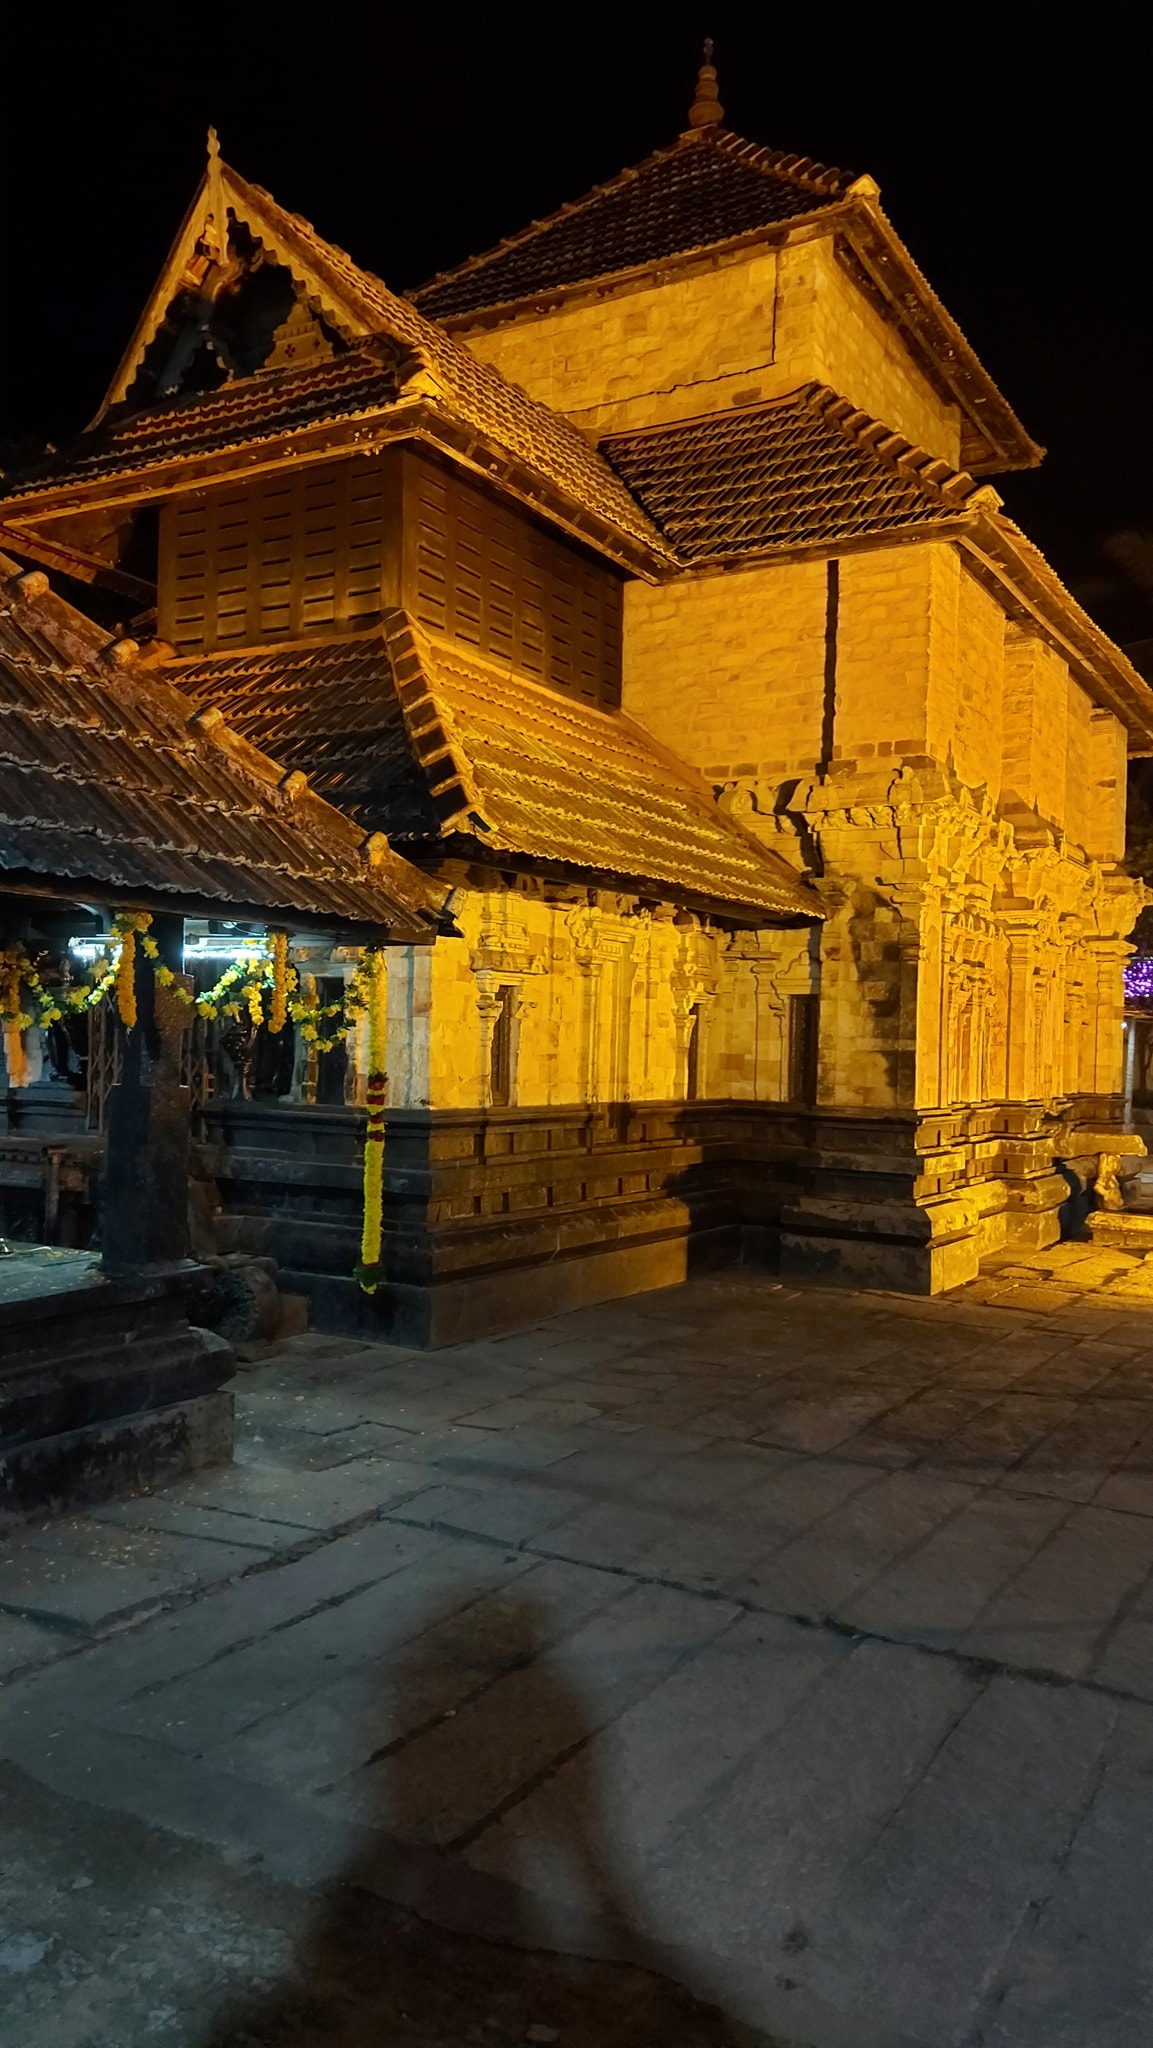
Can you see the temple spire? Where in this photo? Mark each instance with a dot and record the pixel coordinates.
(706, 110)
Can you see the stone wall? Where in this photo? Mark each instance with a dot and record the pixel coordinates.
(729, 670)
(604, 995)
(964, 831)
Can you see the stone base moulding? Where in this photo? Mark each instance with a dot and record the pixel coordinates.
(105, 1387)
(494, 1218)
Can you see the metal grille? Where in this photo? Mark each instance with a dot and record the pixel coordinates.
(105, 1059)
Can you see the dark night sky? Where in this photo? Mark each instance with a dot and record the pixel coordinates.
(1011, 144)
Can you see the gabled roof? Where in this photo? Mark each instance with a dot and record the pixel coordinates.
(704, 188)
(807, 471)
(448, 753)
(115, 785)
(710, 191)
(398, 360)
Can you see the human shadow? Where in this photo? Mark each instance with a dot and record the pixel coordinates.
(476, 1730)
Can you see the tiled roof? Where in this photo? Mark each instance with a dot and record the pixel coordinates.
(705, 188)
(809, 470)
(111, 779)
(436, 747)
(455, 386)
(201, 422)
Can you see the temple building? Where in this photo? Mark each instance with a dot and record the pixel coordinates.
(638, 580)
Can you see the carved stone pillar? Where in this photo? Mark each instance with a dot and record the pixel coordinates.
(770, 1045)
(1020, 1079)
(1106, 1051)
(489, 1006)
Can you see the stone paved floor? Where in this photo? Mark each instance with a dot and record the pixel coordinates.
(796, 1646)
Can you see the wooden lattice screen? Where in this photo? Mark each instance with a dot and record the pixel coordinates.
(480, 572)
(294, 553)
(105, 1058)
(328, 547)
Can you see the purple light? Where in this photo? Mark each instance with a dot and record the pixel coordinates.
(1139, 981)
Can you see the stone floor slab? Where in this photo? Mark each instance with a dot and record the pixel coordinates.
(825, 1723)
(936, 1593)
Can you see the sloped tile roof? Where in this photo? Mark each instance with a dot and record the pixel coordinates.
(202, 422)
(705, 188)
(435, 746)
(111, 779)
(809, 470)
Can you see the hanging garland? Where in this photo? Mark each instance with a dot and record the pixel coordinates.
(125, 928)
(24, 1002)
(278, 1009)
(16, 972)
(369, 1271)
(324, 1026)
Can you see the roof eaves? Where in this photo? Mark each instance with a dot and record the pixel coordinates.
(954, 495)
(1104, 670)
(893, 271)
(793, 908)
(502, 312)
(434, 745)
(412, 416)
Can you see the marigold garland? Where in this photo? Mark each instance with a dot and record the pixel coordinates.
(323, 1026)
(16, 1020)
(25, 1001)
(126, 972)
(278, 1009)
(369, 1273)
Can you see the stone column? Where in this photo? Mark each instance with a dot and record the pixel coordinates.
(1106, 1055)
(1130, 1030)
(144, 1209)
(771, 1040)
(1019, 1076)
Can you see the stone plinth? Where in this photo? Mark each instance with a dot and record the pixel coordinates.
(1122, 1230)
(104, 1385)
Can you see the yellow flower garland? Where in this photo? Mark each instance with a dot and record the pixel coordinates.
(16, 1021)
(126, 979)
(278, 1012)
(368, 1273)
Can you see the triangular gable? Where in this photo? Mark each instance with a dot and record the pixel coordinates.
(231, 247)
(234, 231)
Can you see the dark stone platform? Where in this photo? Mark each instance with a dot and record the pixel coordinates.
(105, 1387)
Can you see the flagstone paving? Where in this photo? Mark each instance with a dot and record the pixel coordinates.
(792, 1649)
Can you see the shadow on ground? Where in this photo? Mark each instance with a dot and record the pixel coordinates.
(370, 1971)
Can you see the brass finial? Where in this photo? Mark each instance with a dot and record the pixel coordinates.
(706, 110)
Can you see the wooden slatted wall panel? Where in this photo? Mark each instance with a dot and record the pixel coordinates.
(488, 576)
(300, 552)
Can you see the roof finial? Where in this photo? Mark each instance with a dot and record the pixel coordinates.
(217, 233)
(706, 110)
